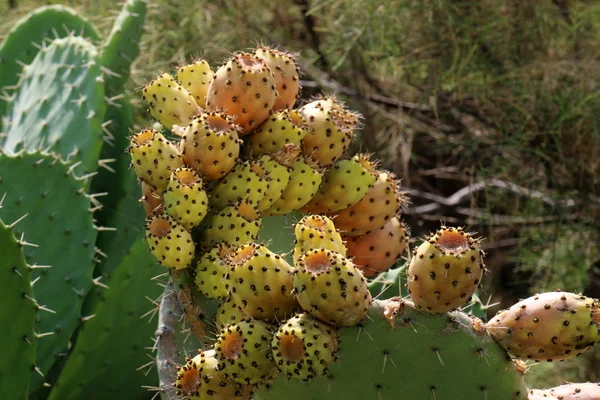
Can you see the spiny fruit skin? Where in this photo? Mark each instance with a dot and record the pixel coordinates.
(261, 283)
(195, 78)
(244, 353)
(229, 313)
(211, 270)
(286, 74)
(244, 87)
(571, 391)
(169, 102)
(241, 183)
(153, 157)
(382, 202)
(304, 183)
(445, 271)
(332, 128)
(169, 242)
(152, 200)
(303, 347)
(211, 145)
(344, 185)
(329, 287)
(185, 199)
(316, 231)
(235, 225)
(281, 128)
(550, 326)
(276, 177)
(377, 251)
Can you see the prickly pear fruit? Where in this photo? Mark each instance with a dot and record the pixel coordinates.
(195, 78)
(236, 225)
(169, 102)
(244, 353)
(244, 87)
(211, 145)
(276, 177)
(303, 347)
(378, 250)
(200, 379)
(445, 270)
(211, 270)
(382, 202)
(153, 157)
(571, 391)
(332, 128)
(169, 242)
(185, 199)
(286, 73)
(261, 283)
(304, 183)
(281, 128)
(329, 287)
(344, 185)
(229, 313)
(151, 200)
(241, 183)
(550, 326)
(316, 231)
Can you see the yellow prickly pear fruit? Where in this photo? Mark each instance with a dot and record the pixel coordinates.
(280, 129)
(286, 73)
(169, 242)
(229, 313)
(241, 183)
(211, 145)
(195, 78)
(169, 102)
(153, 157)
(445, 271)
(244, 87)
(151, 200)
(235, 225)
(185, 199)
(316, 231)
(276, 178)
(211, 270)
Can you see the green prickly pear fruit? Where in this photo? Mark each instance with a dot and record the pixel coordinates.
(378, 250)
(241, 183)
(200, 379)
(445, 271)
(185, 199)
(332, 128)
(169, 242)
(229, 313)
(243, 351)
(235, 225)
(316, 231)
(260, 283)
(211, 271)
(303, 347)
(153, 157)
(304, 183)
(152, 200)
(195, 78)
(550, 326)
(211, 145)
(244, 87)
(276, 177)
(286, 73)
(344, 185)
(571, 391)
(169, 102)
(382, 202)
(329, 287)
(280, 129)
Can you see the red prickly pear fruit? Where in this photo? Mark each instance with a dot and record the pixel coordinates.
(316, 231)
(185, 199)
(378, 250)
(169, 102)
(151, 200)
(153, 157)
(571, 391)
(211, 145)
(286, 73)
(280, 129)
(244, 87)
(195, 78)
(551, 326)
(169, 242)
(445, 271)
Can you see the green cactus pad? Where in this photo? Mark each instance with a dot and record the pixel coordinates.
(104, 361)
(59, 103)
(122, 45)
(60, 223)
(17, 307)
(22, 43)
(400, 351)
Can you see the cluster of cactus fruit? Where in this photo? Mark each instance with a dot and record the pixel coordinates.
(237, 162)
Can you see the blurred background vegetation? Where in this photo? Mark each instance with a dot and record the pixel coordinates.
(489, 112)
